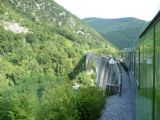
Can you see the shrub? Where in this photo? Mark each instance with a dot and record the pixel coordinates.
(90, 102)
(64, 103)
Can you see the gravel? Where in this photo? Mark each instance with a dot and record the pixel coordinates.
(121, 107)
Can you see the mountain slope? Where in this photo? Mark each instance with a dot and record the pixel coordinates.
(122, 32)
(42, 61)
(45, 29)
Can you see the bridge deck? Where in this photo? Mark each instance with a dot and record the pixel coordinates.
(121, 107)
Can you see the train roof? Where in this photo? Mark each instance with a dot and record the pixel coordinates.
(151, 24)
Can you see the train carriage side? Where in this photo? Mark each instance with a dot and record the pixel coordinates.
(147, 65)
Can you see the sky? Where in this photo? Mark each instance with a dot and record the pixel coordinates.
(142, 9)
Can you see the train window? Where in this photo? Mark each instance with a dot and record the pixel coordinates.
(149, 60)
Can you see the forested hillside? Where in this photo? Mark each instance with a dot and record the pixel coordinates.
(122, 32)
(42, 55)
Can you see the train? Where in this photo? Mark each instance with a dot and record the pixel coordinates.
(144, 60)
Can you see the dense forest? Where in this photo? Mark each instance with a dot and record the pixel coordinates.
(42, 56)
(121, 32)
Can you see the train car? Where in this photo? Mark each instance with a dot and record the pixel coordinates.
(147, 71)
(128, 55)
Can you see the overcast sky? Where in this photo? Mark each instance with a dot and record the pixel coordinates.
(142, 9)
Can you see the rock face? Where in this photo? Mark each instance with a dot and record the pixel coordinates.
(14, 27)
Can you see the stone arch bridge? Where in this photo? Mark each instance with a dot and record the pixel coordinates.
(106, 74)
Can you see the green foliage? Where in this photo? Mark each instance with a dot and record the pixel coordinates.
(90, 103)
(122, 32)
(78, 68)
(38, 68)
(45, 97)
(73, 104)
